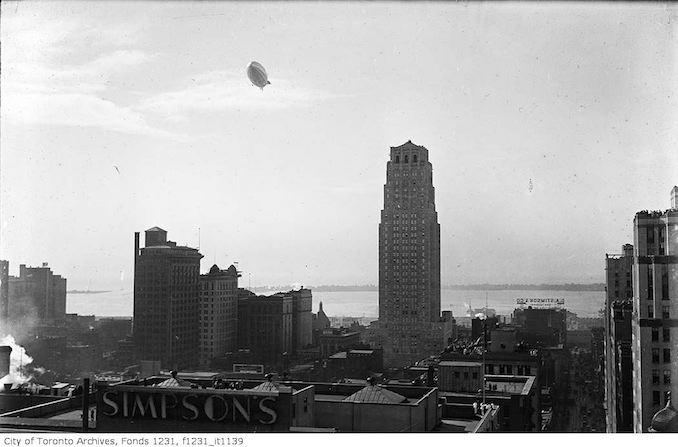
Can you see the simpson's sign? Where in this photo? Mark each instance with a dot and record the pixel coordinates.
(138, 404)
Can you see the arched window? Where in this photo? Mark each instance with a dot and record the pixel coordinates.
(414, 158)
(406, 159)
(397, 160)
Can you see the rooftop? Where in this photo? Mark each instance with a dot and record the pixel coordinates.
(408, 145)
(376, 394)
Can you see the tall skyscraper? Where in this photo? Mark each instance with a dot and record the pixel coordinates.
(618, 367)
(218, 313)
(166, 301)
(409, 259)
(655, 311)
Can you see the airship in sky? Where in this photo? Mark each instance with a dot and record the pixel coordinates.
(257, 74)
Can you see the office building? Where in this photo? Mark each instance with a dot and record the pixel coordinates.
(218, 313)
(302, 325)
(36, 296)
(617, 339)
(542, 327)
(409, 259)
(655, 316)
(265, 327)
(166, 301)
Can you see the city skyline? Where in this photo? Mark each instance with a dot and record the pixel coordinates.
(539, 121)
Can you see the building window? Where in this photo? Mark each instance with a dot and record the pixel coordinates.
(650, 288)
(527, 371)
(650, 311)
(666, 334)
(407, 159)
(655, 377)
(655, 397)
(414, 158)
(397, 160)
(667, 377)
(667, 355)
(465, 374)
(665, 312)
(665, 285)
(655, 334)
(655, 355)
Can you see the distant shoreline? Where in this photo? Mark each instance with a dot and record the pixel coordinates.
(570, 287)
(87, 291)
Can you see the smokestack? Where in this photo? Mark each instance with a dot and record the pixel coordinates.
(5, 351)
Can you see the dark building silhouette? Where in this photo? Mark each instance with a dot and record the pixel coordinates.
(618, 366)
(218, 313)
(542, 327)
(621, 361)
(319, 323)
(265, 326)
(36, 296)
(409, 259)
(655, 318)
(275, 328)
(166, 301)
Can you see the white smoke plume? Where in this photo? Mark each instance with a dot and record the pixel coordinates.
(18, 360)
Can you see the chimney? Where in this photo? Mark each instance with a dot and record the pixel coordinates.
(674, 198)
(5, 351)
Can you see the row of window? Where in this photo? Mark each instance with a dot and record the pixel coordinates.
(655, 377)
(666, 354)
(666, 312)
(406, 159)
(656, 398)
(666, 334)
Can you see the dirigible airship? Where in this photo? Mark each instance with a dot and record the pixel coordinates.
(257, 74)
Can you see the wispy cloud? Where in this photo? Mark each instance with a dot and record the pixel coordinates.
(39, 88)
(221, 91)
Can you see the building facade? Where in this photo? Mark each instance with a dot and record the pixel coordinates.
(409, 259)
(619, 289)
(265, 327)
(37, 295)
(655, 311)
(302, 327)
(218, 313)
(166, 301)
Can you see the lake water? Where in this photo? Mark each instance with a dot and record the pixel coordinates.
(366, 304)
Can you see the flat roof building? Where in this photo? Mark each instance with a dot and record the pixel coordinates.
(655, 317)
(218, 313)
(166, 301)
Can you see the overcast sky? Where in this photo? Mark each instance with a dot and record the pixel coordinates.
(578, 100)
